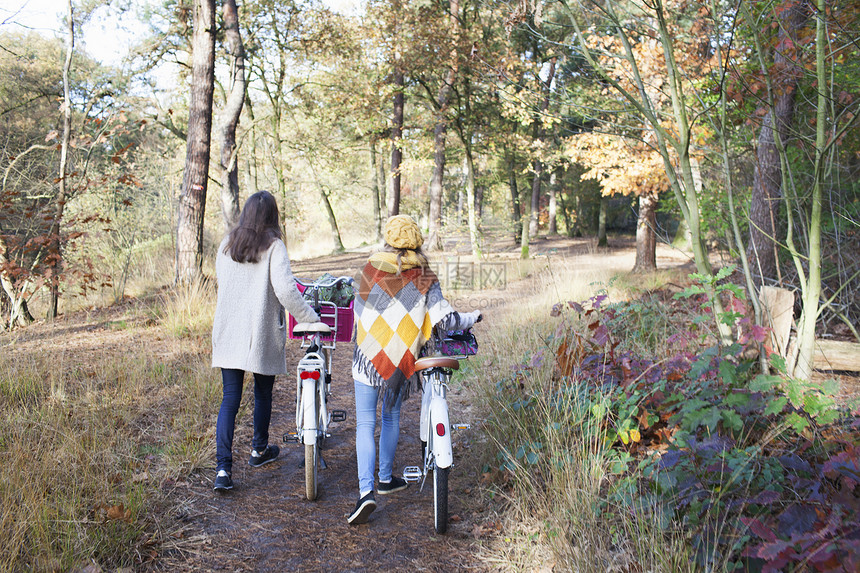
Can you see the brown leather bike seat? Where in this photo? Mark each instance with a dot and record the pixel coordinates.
(436, 362)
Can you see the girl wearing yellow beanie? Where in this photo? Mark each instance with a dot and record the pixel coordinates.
(399, 301)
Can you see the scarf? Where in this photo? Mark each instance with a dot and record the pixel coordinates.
(394, 318)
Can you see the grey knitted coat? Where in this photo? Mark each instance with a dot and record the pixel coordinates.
(250, 328)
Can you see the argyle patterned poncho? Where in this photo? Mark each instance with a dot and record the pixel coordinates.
(395, 315)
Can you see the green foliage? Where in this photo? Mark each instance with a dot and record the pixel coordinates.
(691, 424)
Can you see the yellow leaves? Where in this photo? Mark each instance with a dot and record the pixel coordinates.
(622, 166)
(629, 436)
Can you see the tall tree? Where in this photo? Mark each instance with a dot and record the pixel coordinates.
(192, 198)
(648, 40)
(434, 240)
(539, 135)
(766, 197)
(397, 139)
(625, 166)
(55, 256)
(230, 114)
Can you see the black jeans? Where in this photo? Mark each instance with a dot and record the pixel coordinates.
(232, 381)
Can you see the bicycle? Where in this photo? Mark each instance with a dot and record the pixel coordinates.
(435, 431)
(313, 377)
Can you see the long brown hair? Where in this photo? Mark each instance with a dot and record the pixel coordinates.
(258, 227)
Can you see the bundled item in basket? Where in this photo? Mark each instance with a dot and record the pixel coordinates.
(340, 294)
(458, 343)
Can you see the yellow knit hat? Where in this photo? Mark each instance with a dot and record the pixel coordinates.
(401, 232)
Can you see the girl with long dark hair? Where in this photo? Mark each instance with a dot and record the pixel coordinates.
(255, 286)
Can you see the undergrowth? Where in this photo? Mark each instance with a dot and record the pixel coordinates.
(639, 443)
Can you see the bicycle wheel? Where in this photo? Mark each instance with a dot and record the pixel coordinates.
(440, 499)
(312, 456)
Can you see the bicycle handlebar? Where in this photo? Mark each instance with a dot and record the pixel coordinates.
(313, 284)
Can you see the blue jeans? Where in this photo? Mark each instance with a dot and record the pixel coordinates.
(366, 398)
(232, 381)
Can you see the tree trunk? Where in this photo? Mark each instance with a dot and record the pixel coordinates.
(332, 221)
(232, 110)
(576, 229)
(383, 186)
(534, 207)
(396, 142)
(192, 199)
(516, 217)
(552, 226)
(682, 236)
(19, 313)
(766, 197)
(434, 240)
(537, 164)
(524, 235)
(458, 212)
(474, 236)
(812, 286)
(601, 222)
(378, 199)
(55, 250)
(646, 237)
(252, 178)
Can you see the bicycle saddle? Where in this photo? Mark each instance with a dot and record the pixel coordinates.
(309, 327)
(436, 362)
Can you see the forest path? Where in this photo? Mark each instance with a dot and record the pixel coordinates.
(266, 525)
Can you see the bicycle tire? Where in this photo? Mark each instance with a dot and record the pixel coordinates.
(312, 460)
(440, 499)
(311, 465)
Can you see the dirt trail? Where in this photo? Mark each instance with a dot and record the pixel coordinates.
(266, 525)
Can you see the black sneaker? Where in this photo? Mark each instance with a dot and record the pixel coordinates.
(223, 481)
(270, 454)
(362, 511)
(396, 484)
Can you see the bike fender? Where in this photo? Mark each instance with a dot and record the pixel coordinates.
(309, 426)
(443, 452)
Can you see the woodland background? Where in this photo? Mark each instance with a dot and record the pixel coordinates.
(727, 128)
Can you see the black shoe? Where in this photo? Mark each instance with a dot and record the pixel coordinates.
(362, 511)
(223, 481)
(396, 484)
(270, 454)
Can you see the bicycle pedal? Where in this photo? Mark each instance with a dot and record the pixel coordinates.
(292, 437)
(412, 474)
(338, 415)
(461, 426)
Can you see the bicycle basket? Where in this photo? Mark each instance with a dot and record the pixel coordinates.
(458, 343)
(340, 294)
(331, 314)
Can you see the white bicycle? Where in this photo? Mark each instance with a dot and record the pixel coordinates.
(435, 432)
(313, 378)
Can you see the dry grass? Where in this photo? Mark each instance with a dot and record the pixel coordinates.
(89, 436)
